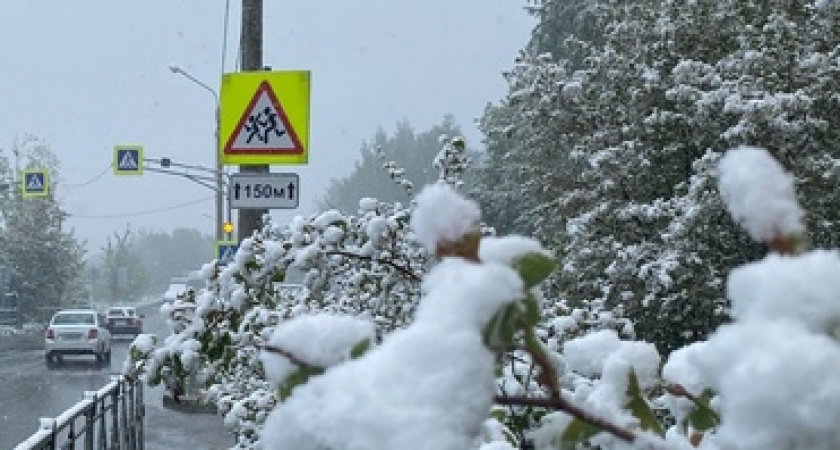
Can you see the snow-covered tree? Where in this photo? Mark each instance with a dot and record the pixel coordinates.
(307, 367)
(615, 158)
(405, 150)
(45, 259)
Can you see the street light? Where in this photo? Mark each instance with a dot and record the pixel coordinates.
(219, 230)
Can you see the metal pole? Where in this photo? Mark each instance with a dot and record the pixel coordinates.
(121, 388)
(141, 414)
(250, 48)
(115, 418)
(219, 167)
(90, 419)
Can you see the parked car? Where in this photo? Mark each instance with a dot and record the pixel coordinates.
(124, 320)
(77, 332)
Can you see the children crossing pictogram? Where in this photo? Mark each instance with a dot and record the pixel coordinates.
(264, 127)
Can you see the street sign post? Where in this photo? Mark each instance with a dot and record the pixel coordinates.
(264, 118)
(34, 183)
(264, 190)
(128, 160)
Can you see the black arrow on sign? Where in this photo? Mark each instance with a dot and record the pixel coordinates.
(291, 189)
(236, 189)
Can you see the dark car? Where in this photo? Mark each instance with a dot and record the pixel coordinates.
(124, 320)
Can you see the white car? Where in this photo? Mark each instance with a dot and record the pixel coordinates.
(77, 332)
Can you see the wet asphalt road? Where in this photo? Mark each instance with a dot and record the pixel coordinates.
(29, 391)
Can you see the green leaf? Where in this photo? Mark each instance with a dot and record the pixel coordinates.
(530, 310)
(278, 276)
(359, 348)
(533, 268)
(703, 417)
(499, 331)
(500, 414)
(178, 366)
(458, 143)
(577, 431)
(155, 378)
(295, 379)
(639, 407)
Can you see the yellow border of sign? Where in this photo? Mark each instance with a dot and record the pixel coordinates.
(116, 164)
(219, 245)
(292, 88)
(44, 175)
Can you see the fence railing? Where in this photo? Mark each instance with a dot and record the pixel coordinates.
(110, 418)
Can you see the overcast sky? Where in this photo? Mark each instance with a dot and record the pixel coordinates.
(86, 75)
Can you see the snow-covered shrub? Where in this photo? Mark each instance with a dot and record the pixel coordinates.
(365, 264)
(484, 361)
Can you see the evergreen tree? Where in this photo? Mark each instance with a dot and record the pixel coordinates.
(405, 154)
(614, 159)
(45, 260)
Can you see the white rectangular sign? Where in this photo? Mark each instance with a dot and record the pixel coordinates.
(264, 190)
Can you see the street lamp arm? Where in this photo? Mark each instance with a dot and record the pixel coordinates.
(220, 183)
(180, 71)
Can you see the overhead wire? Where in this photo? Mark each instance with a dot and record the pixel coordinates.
(90, 181)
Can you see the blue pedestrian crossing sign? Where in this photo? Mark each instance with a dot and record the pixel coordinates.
(34, 183)
(226, 251)
(128, 160)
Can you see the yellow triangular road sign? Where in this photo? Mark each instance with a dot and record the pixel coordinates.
(264, 127)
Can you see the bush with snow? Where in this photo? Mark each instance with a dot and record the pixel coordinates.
(365, 355)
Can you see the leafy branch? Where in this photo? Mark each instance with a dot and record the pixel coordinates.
(288, 355)
(560, 403)
(404, 270)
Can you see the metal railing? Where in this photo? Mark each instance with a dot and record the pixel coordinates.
(110, 418)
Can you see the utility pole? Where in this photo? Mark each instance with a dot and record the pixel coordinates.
(250, 51)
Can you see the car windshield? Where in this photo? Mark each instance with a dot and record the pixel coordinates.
(116, 312)
(74, 319)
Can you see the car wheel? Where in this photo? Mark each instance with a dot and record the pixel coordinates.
(51, 361)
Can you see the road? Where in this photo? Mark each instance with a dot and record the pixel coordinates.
(29, 391)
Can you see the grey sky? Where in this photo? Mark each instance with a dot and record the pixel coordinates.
(85, 75)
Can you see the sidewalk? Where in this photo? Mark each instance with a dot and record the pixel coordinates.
(168, 429)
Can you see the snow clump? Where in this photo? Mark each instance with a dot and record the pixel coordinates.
(759, 194)
(428, 386)
(443, 215)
